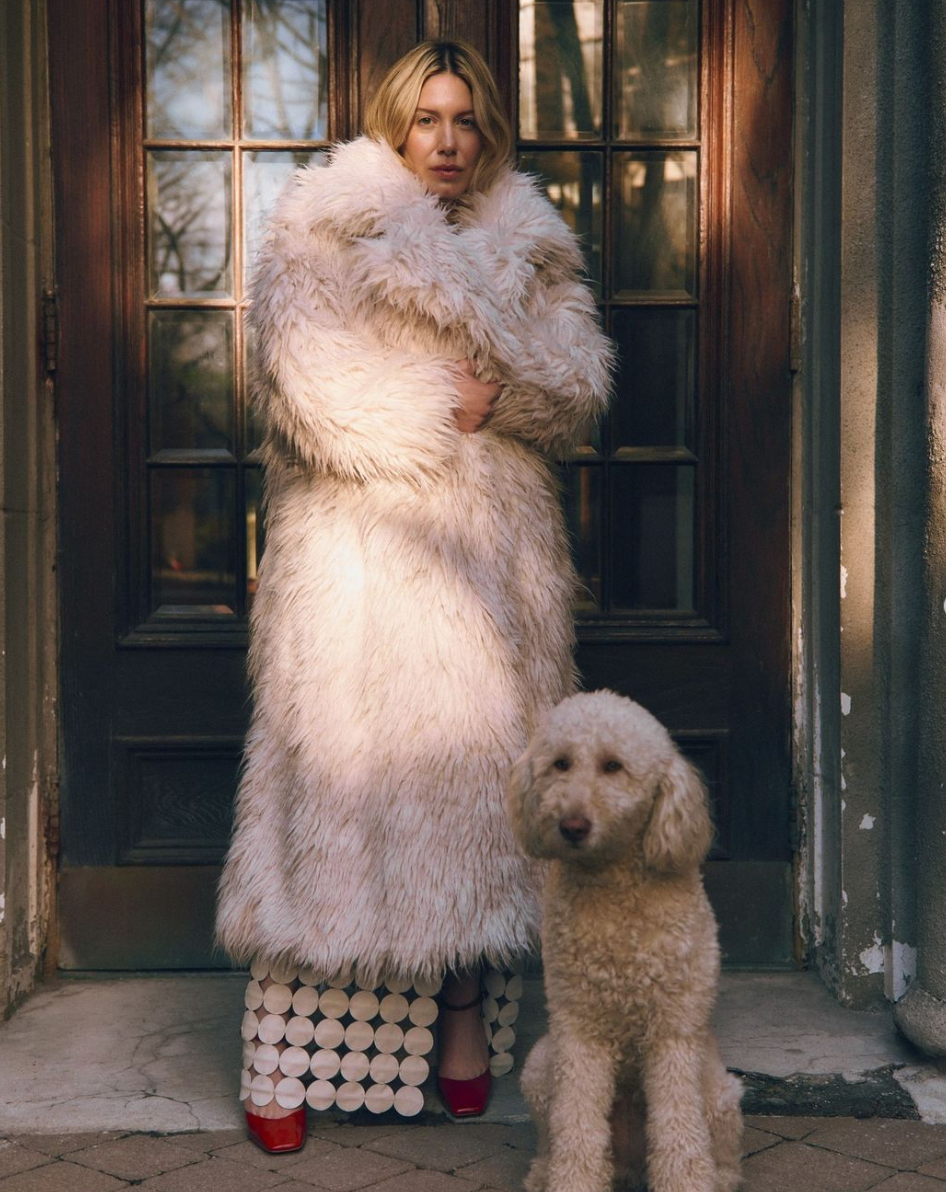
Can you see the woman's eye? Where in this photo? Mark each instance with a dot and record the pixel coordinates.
(611, 767)
(425, 120)
(561, 763)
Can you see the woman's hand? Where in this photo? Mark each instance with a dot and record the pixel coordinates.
(477, 397)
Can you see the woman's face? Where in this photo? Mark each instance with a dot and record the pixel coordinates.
(443, 144)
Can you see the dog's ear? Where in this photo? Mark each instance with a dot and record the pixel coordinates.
(679, 833)
(517, 792)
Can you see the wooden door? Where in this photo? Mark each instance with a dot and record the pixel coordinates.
(662, 131)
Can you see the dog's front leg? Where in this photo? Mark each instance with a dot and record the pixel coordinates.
(678, 1142)
(580, 1116)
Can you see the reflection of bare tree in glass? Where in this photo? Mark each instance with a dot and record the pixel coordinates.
(559, 60)
(657, 44)
(285, 52)
(188, 59)
(190, 202)
(191, 387)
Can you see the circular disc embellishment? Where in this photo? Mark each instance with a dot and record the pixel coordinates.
(398, 984)
(503, 1039)
(321, 1094)
(300, 1031)
(350, 1097)
(277, 999)
(418, 1041)
(249, 1026)
(245, 1083)
(341, 979)
(500, 1064)
(355, 1065)
(266, 1059)
(293, 1062)
(282, 974)
(359, 1036)
(249, 1051)
(495, 983)
(290, 1092)
(259, 969)
(490, 1009)
(309, 976)
(364, 1005)
(272, 1028)
(329, 1032)
(305, 1000)
(514, 988)
(388, 1037)
(414, 1070)
(333, 1003)
(508, 1014)
(423, 1011)
(408, 1101)
(429, 987)
(324, 1065)
(253, 998)
(383, 1068)
(379, 1098)
(261, 1090)
(394, 1007)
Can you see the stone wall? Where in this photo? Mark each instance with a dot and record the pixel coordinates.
(28, 761)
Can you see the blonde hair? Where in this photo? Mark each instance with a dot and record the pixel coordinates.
(391, 109)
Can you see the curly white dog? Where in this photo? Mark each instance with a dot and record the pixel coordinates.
(631, 959)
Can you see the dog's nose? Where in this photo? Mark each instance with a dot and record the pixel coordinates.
(574, 828)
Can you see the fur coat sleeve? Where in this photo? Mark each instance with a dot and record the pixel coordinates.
(331, 395)
(360, 243)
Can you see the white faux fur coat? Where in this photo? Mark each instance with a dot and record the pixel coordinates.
(413, 610)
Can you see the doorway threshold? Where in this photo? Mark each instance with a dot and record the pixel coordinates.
(162, 1052)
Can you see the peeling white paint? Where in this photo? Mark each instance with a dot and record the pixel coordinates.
(845, 704)
(3, 828)
(3, 903)
(843, 783)
(872, 959)
(843, 581)
(844, 897)
(902, 969)
(844, 805)
(868, 822)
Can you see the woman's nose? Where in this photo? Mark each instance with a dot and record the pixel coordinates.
(447, 139)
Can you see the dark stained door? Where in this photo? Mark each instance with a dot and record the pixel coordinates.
(662, 129)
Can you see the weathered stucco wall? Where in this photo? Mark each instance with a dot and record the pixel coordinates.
(28, 764)
(864, 399)
(922, 1013)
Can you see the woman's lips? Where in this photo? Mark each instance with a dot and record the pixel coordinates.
(447, 171)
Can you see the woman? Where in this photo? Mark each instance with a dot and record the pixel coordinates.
(424, 348)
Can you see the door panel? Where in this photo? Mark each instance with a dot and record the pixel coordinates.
(662, 131)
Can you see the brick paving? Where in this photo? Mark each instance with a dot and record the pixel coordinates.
(783, 1154)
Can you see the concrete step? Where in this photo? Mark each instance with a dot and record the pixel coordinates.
(162, 1053)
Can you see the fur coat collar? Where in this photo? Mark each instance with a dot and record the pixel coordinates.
(472, 270)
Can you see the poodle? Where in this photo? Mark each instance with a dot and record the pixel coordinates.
(629, 1075)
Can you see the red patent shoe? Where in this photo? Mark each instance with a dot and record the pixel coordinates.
(277, 1135)
(466, 1098)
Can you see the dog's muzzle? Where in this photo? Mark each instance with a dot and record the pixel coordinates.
(575, 828)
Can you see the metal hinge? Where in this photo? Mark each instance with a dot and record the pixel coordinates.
(795, 329)
(50, 329)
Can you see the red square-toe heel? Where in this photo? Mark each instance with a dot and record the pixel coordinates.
(277, 1135)
(466, 1098)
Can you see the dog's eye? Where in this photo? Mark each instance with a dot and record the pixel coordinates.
(561, 763)
(612, 766)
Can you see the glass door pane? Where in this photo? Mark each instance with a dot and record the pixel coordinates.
(221, 78)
